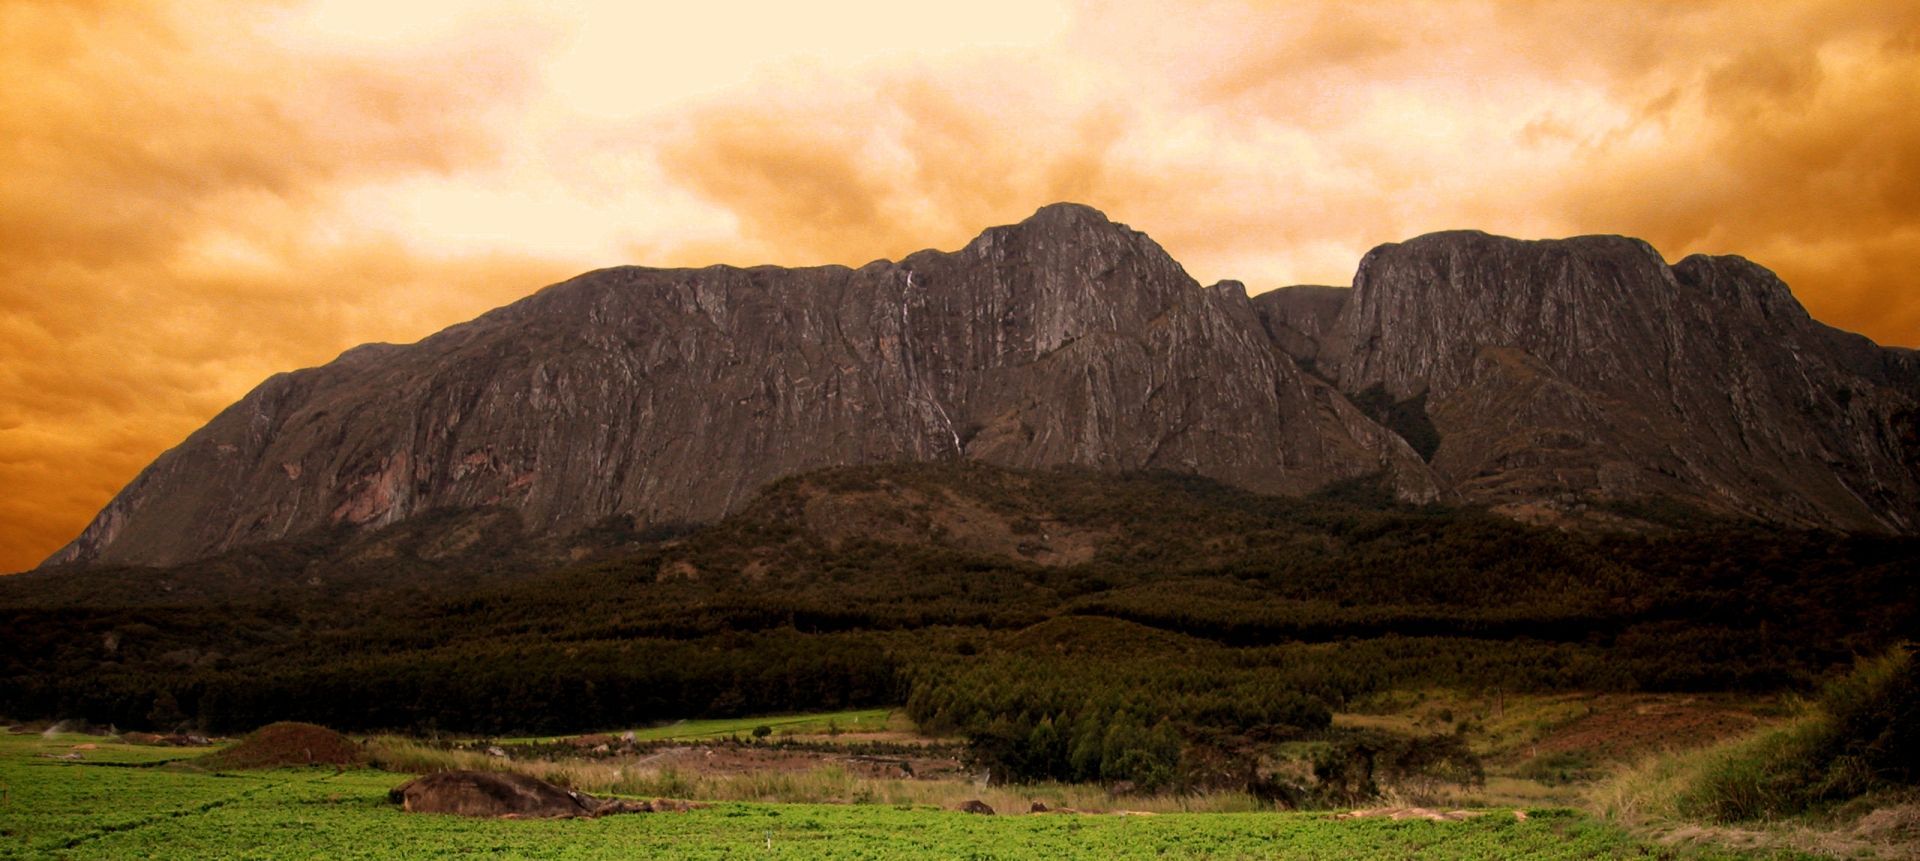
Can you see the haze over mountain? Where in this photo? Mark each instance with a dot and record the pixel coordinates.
(1543, 378)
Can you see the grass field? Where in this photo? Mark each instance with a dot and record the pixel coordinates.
(110, 806)
(862, 721)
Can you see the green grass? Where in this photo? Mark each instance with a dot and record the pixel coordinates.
(866, 720)
(1855, 741)
(56, 809)
(33, 746)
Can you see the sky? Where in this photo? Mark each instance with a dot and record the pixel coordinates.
(196, 195)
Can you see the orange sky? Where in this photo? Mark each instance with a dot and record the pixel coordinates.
(195, 195)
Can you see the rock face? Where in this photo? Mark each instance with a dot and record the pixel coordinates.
(671, 395)
(1461, 366)
(1586, 369)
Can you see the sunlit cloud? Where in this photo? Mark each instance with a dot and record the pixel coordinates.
(199, 194)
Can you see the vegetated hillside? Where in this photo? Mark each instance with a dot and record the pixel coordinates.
(1185, 621)
(1545, 378)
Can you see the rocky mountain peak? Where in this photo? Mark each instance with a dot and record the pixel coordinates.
(671, 395)
(1074, 215)
(1734, 282)
(1538, 377)
(1428, 305)
(1558, 373)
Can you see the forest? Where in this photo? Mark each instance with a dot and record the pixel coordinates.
(1138, 628)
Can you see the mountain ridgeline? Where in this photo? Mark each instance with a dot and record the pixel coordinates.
(1559, 381)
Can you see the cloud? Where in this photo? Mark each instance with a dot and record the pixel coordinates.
(198, 194)
(848, 170)
(1788, 143)
(166, 240)
(1322, 129)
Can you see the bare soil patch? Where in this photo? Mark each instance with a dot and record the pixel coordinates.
(748, 759)
(1620, 729)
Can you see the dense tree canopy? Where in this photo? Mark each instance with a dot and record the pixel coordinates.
(1074, 625)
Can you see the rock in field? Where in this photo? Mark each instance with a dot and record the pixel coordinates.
(512, 796)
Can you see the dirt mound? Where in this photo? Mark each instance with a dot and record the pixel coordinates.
(286, 744)
(504, 795)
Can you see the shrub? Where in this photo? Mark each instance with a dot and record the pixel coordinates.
(1862, 738)
(1875, 720)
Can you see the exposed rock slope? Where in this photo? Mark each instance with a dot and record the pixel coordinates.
(671, 395)
(1540, 377)
(1562, 372)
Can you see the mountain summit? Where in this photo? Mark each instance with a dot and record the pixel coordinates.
(1541, 377)
(1552, 371)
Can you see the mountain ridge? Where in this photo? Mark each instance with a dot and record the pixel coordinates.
(670, 395)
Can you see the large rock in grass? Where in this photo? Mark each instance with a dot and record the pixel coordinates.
(510, 796)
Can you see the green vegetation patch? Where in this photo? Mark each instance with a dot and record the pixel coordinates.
(860, 720)
(1407, 417)
(1148, 629)
(68, 810)
(1864, 736)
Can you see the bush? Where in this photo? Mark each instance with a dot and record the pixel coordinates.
(1862, 738)
(1875, 714)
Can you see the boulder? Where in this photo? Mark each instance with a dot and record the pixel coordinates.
(503, 795)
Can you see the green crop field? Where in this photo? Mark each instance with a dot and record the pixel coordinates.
(112, 806)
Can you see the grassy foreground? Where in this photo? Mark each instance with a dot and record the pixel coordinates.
(95, 809)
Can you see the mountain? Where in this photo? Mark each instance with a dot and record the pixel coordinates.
(670, 395)
(1544, 378)
(1538, 372)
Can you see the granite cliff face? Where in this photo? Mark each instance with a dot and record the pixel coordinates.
(1561, 373)
(671, 395)
(1539, 377)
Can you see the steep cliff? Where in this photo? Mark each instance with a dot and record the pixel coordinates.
(671, 395)
(1561, 373)
(1547, 379)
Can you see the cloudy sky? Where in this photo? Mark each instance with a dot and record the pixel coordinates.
(195, 195)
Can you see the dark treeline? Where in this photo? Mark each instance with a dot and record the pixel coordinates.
(520, 685)
(1073, 625)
